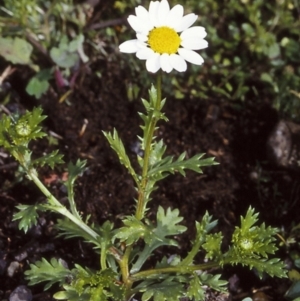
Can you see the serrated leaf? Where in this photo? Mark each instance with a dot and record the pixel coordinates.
(273, 267)
(15, 134)
(168, 166)
(249, 220)
(117, 145)
(50, 272)
(133, 230)
(69, 230)
(153, 114)
(91, 286)
(27, 215)
(212, 245)
(213, 281)
(167, 225)
(50, 159)
(167, 290)
(250, 239)
(195, 289)
(71, 294)
(75, 170)
(203, 227)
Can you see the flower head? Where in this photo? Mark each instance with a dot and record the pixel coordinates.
(164, 37)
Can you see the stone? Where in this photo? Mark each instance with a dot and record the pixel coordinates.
(21, 293)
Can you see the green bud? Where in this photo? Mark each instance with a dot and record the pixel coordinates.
(23, 129)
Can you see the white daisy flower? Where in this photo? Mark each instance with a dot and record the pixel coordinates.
(158, 40)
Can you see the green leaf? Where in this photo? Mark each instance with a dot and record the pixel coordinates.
(51, 272)
(195, 290)
(39, 84)
(249, 239)
(152, 113)
(167, 225)
(50, 159)
(273, 267)
(133, 230)
(75, 170)
(167, 290)
(27, 215)
(203, 227)
(251, 245)
(213, 246)
(99, 286)
(17, 51)
(117, 145)
(16, 134)
(65, 55)
(213, 281)
(69, 230)
(167, 166)
(71, 294)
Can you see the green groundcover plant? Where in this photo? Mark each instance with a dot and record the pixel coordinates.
(166, 41)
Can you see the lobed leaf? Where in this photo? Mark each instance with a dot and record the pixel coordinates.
(195, 290)
(167, 290)
(50, 159)
(167, 166)
(52, 272)
(117, 145)
(133, 230)
(69, 230)
(75, 170)
(27, 215)
(167, 225)
(212, 245)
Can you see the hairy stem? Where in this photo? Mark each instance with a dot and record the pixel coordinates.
(140, 210)
(59, 208)
(173, 269)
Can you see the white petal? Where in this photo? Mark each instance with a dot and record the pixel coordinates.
(143, 16)
(145, 54)
(163, 12)
(165, 63)
(141, 12)
(153, 63)
(178, 63)
(153, 12)
(130, 46)
(186, 22)
(194, 44)
(138, 24)
(196, 31)
(175, 15)
(191, 56)
(142, 37)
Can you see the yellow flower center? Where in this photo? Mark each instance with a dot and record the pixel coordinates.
(164, 40)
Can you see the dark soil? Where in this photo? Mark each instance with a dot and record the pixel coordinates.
(234, 133)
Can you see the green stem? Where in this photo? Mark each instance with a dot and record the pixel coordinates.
(124, 266)
(58, 207)
(140, 210)
(173, 269)
(73, 209)
(191, 255)
(103, 258)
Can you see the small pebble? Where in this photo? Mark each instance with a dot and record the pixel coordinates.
(12, 268)
(21, 255)
(21, 293)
